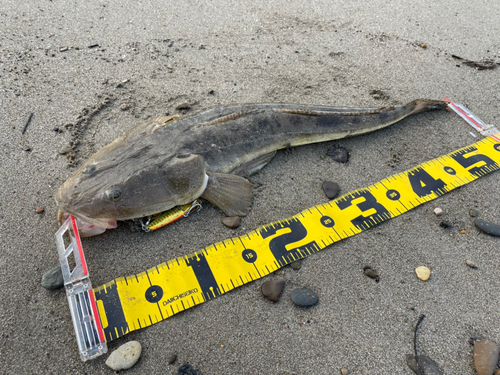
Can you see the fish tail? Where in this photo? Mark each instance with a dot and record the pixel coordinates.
(424, 105)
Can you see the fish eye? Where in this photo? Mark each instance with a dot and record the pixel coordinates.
(113, 195)
(89, 169)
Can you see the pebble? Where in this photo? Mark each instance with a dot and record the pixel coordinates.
(297, 265)
(462, 232)
(171, 358)
(186, 369)
(470, 264)
(339, 154)
(344, 371)
(445, 224)
(125, 356)
(497, 372)
(438, 211)
(331, 189)
(40, 210)
(370, 272)
(487, 227)
(183, 106)
(429, 367)
(53, 278)
(304, 297)
(485, 357)
(423, 273)
(232, 222)
(473, 212)
(272, 289)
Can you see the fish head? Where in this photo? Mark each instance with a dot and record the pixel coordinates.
(127, 180)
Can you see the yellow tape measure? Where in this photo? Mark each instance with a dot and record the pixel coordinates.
(134, 302)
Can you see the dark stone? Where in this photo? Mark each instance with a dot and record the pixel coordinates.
(485, 357)
(331, 189)
(171, 358)
(445, 224)
(339, 154)
(487, 227)
(186, 369)
(53, 279)
(232, 222)
(428, 366)
(183, 106)
(296, 265)
(272, 289)
(304, 297)
(370, 272)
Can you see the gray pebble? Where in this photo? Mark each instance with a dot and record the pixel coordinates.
(272, 289)
(485, 357)
(297, 264)
(53, 278)
(473, 212)
(370, 272)
(125, 356)
(172, 358)
(487, 227)
(331, 189)
(232, 222)
(428, 365)
(304, 297)
(186, 369)
(339, 154)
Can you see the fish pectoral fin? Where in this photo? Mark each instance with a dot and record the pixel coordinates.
(161, 121)
(231, 193)
(253, 166)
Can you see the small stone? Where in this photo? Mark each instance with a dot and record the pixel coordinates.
(186, 369)
(53, 278)
(423, 273)
(485, 357)
(171, 358)
(428, 365)
(497, 372)
(65, 150)
(370, 272)
(304, 297)
(470, 264)
(297, 264)
(40, 210)
(232, 222)
(344, 371)
(124, 107)
(473, 212)
(438, 211)
(445, 224)
(487, 227)
(125, 356)
(462, 232)
(339, 154)
(183, 106)
(331, 189)
(272, 289)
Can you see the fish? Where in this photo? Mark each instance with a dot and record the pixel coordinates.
(169, 161)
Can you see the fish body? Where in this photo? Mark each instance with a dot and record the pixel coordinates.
(170, 161)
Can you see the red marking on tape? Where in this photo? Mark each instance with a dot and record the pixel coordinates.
(462, 112)
(96, 315)
(79, 244)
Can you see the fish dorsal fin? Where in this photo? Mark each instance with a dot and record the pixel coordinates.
(231, 193)
(161, 121)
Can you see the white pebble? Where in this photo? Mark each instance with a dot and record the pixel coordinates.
(423, 273)
(438, 211)
(125, 356)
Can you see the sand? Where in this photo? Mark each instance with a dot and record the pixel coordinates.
(66, 62)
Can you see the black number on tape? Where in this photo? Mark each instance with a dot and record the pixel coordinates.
(370, 203)
(393, 195)
(154, 294)
(327, 221)
(450, 170)
(467, 161)
(424, 184)
(278, 244)
(249, 255)
(497, 147)
(204, 275)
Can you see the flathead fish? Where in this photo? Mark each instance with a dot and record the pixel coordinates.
(170, 161)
